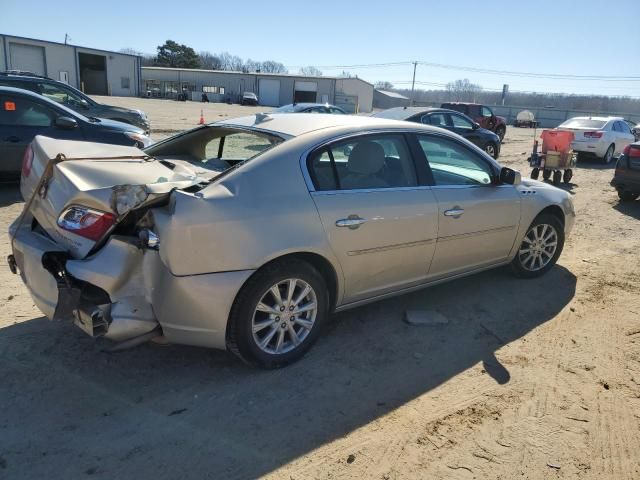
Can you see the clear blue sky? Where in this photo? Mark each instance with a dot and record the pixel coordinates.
(577, 37)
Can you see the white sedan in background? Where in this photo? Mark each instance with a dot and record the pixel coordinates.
(603, 137)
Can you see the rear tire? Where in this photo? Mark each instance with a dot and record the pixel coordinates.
(557, 177)
(250, 325)
(526, 267)
(608, 156)
(627, 196)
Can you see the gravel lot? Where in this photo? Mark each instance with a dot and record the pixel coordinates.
(531, 379)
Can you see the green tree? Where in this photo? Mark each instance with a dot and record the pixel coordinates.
(175, 55)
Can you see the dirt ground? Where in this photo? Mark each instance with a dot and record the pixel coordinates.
(534, 379)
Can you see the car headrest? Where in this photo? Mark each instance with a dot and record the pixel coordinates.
(366, 158)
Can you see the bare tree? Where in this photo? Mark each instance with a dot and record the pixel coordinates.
(345, 74)
(463, 90)
(383, 85)
(310, 71)
(271, 66)
(230, 62)
(210, 61)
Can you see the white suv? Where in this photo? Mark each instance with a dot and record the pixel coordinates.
(604, 137)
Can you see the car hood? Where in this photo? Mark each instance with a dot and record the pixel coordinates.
(501, 119)
(116, 126)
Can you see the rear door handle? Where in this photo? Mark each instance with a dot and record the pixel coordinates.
(454, 212)
(12, 139)
(352, 222)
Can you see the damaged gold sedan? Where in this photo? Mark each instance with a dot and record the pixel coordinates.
(245, 234)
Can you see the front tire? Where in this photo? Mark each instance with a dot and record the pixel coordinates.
(540, 247)
(492, 149)
(627, 196)
(500, 131)
(278, 314)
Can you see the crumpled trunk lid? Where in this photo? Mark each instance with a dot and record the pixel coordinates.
(85, 174)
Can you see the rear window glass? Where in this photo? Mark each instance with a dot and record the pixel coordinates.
(583, 123)
(285, 109)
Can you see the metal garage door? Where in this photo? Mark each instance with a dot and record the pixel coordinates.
(269, 93)
(305, 92)
(27, 57)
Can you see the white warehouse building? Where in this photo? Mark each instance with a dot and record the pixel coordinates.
(273, 89)
(96, 72)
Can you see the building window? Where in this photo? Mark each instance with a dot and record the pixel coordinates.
(221, 90)
(209, 89)
(124, 82)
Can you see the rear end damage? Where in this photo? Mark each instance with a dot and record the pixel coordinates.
(85, 249)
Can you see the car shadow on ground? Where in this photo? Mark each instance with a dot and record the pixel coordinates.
(595, 164)
(164, 412)
(631, 209)
(9, 193)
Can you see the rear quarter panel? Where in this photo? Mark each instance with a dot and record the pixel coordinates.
(258, 213)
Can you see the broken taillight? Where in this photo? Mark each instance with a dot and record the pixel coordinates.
(27, 161)
(86, 222)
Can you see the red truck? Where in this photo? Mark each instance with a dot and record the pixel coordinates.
(482, 115)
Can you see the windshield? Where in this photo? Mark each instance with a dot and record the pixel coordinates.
(583, 123)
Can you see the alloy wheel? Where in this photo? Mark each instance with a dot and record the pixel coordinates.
(609, 155)
(491, 150)
(538, 247)
(284, 316)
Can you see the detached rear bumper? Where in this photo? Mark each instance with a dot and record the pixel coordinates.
(124, 291)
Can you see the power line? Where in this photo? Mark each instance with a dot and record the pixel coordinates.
(559, 76)
(556, 76)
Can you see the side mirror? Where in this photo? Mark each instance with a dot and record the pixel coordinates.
(509, 176)
(476, 125)
(66, 123)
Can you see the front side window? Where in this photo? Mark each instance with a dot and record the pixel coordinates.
(486, 112)
(461, 122)
(22, 112)
(368, 162)
(58, 94)
(453, 164)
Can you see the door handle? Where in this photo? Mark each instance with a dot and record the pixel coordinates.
(454, 212)
(12, 139)
(352, 222)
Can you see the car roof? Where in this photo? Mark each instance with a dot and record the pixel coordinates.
(40, 98)
(402, 113)
(296, 124)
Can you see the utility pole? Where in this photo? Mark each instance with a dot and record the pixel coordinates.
(66, 37)
(413, 83)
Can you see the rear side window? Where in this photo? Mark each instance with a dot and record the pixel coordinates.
(22, 112)
(437, 120)
(368, 162)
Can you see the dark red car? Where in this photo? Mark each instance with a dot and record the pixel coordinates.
(482, 115)
(626, 180)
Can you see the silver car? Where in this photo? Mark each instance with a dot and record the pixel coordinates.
(247, 233)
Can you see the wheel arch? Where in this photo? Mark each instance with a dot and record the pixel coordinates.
(554, 210)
